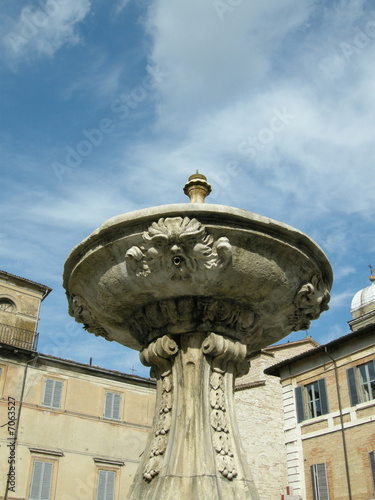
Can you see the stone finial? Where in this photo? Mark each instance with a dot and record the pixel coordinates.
(197, 188)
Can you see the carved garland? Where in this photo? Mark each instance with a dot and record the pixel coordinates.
(223, 351)
(158, 354)
(185, 314)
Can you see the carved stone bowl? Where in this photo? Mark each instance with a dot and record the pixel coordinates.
(196, 267)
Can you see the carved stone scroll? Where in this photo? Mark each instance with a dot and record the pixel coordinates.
(158, 355)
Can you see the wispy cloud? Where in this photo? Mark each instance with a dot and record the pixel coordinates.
(40, 30)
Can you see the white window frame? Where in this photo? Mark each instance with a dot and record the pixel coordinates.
(41, 480)
(365, 383)
(314, 407)
(53, 390)
(112, 405)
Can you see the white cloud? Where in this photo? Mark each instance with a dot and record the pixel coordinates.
(212, 61)
(227, 79)
(42, 29)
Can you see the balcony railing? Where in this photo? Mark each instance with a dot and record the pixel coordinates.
(19, 337)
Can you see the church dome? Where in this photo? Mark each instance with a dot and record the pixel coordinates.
(364, 297)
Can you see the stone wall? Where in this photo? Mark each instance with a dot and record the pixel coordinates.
(259, 409)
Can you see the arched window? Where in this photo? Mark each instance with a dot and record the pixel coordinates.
(7, 305)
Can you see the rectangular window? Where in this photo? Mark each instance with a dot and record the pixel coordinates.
(313, 400)
(372, 465)
(112, 406)
(361, 383)
(319, 482)
(312, 397)
(106, 485)
(41, 481)
(52, 393)
(367, 381)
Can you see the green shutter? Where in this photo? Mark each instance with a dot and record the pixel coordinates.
(353, 387)
(323, 396)
(300, 404)
(372, 465)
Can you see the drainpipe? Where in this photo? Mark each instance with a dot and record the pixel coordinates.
(18, 419)
(342, 424)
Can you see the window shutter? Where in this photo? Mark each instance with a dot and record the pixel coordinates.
(319, 482)
(353, 387)
(57, 393)
(41, 481)
(110, 493)
(106, 485)
(322, 481)
(48, 392)
(323, 396)
(299, 404)
(46, 481)
(36, 481)
(112, 405)
(108, 404)
(116, 406)
(100, 495)
(372, 465)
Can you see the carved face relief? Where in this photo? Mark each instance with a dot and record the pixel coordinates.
(180, 248)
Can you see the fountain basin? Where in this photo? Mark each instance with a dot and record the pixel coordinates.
(196, 267)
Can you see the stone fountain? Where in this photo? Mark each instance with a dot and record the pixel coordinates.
(196, 288)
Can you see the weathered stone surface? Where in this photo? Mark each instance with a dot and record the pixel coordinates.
(135, 264)
(197, 289)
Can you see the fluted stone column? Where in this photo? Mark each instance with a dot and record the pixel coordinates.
(194, 449)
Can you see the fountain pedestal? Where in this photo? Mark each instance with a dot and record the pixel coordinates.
(194, 449)
(195, 288)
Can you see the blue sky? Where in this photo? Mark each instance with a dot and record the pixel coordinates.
(109, 106)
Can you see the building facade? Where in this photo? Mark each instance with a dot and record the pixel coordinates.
(259, 402)
(306, 413)
(69, 431)
(74, 431)
(329, 412)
